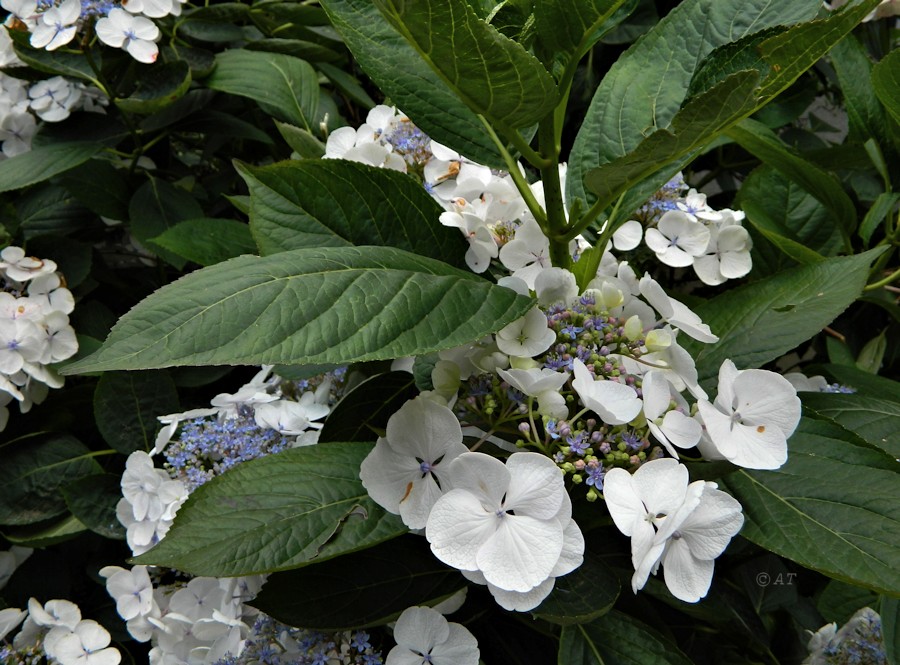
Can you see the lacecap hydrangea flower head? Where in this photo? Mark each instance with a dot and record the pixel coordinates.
(593, 382)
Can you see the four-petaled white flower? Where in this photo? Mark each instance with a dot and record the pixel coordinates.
(528, 253)
(509, 524)
(405, 472)
(542, 384)
(86, 644)
(134, 34)
(677, 240)
(753, 415)
(679, 526)
(56, 26)
(425, 637)
(675, 312)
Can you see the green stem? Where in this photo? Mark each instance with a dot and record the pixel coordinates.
(521, 184)
(557, 226)
(534, 158)
(884, 282)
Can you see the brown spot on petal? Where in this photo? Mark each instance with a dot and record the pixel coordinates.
(409, 487)
(761, 429)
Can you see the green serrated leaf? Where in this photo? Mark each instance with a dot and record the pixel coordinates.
(872, 354)
(495, 76)
(301, 141)
(359, 590)
(573, 26)
(35, 468)
(298, 48)
(873, 419)
(283, 511)
(158, 87)
(207, 241)
(51, 209)
(44, 162)
(101, 187)
(886, 81)
(402, 74)
(582, 596)
(854, 71)
(843, 496)
(839, 601)
(779, 206)
(93, 500)
(366, 409)
(646, 87)
(309, 306)
(762, 142)
(617, 639)
(759, 322)
(333, 203)
(126, 405)
(284, 86)
(862, 382)
(45, 534)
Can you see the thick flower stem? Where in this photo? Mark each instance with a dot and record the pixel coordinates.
(557, 226)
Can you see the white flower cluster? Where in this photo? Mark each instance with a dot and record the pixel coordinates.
(601, 370)
(56, 631)
(198, 621)
(124, 25)
(34, 329)
(205, 619)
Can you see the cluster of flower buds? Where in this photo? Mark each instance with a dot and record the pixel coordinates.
(34, 329)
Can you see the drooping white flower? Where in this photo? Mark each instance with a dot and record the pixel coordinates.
(677, 239)
(425, 637)
(675, 428)
(754, 413)
(56, 26)
(542, 384)
(405, 472)
(482, 247)
(291, 418)
(615, 403)
(135, 34)
(526, 337)
(675, 312)
(23, 268)
(510, 523)
(726, 257)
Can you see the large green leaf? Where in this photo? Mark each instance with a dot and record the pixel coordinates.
(840, 495)
(53, 62)
(93, 500)
(43, 162)
(647, 85)
(862, 382)
(126, 405)
(762, 142)
(777, 205)
(875, 420)
(886, 81)
(777, 56)
(495, 76)
(408, 81)
(334, 203)
(358, 590)
(309, 306)
(207, 241)
(283, 511)
(156, 206)
(854, 71)
(158, 87)
(617, 639)
(284, 86)
(572, 26)
(890, 625)
(758, 322)
(34, 470)
(581, 596)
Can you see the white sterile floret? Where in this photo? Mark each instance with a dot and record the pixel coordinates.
(614, 402)
(10, 618)
(56, 26)
(677, 239)
(134, 34)
(425, 637)
(21, 10)
(726, 257)
(291, 418)
(528, 253)
(675, 428)
(675, 312)
(803, 383)
(628, 236)
(526, 337)
(86, 644)
(54, 99)
(555, 285)
(131, 589)
(406, 471)
(16, 132)
(154, 8)
(473, 225)
(683, 527)
(509, 525)
(22, 268)
(753, 415)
